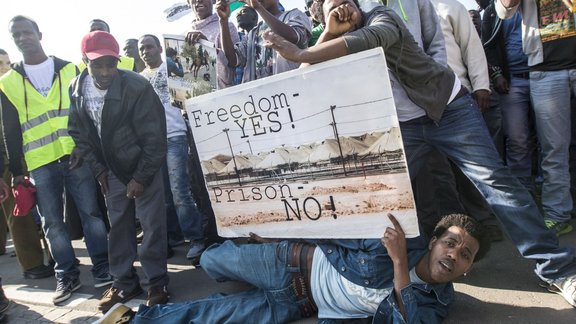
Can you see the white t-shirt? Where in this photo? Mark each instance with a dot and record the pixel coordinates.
(337, 297)
(41, 75)
(94, 101)
(158, 77)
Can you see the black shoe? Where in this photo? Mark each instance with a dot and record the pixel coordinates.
(64, 289)
(39, 272)
(4, 302)
(157, 295)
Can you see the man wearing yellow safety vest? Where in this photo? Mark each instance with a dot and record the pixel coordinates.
(35, 107)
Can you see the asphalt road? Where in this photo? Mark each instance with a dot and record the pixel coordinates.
(502, 288)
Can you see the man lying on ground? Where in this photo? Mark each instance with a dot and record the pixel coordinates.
(393, 279)
(446, 118)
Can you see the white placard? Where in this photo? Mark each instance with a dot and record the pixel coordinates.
(310, 153)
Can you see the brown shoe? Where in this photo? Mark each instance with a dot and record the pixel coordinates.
(114, 296)
(118, 314)
(157, 295)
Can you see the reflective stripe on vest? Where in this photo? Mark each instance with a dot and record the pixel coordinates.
(48, 139)
(43, 120)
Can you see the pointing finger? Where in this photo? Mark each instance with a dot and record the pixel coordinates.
(395, 223)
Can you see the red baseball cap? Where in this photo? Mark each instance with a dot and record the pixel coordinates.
(99, 43)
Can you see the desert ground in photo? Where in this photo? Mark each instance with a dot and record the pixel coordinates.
(349, 207)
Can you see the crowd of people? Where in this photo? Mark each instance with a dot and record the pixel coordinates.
(485, 114)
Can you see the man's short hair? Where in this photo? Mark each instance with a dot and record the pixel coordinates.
(24, 18)
(102, 22)
(475, 229)
(3, 52)
(156, 40)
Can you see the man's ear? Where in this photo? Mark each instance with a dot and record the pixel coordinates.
(432, 242)
(469, 268)
(40, 35)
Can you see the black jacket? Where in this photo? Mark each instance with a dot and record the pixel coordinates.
(133, 130)
(494, 44)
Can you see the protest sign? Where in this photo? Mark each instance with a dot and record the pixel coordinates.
(191, 68)
(310, 153)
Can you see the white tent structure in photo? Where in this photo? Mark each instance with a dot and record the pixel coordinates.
(390, 141)
(329, 149)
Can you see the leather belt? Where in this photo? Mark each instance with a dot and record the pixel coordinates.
(301, 257)
(463, 91)
(523, 75)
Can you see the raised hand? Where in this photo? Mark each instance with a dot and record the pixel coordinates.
(194, 36)
(342, 19)
(394, 240)
(285, 48)
(253, 3)
(223, 9)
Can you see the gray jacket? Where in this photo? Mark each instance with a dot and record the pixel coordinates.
(427, 83)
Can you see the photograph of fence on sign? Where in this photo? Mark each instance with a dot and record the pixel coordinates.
(191, 68)
(295, 156)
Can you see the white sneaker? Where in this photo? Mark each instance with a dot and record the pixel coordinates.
(565, 287)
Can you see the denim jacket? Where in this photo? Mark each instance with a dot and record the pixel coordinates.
(366, 263)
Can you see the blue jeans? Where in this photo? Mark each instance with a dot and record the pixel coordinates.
(189, 216)
(50, 181)
(265, 266)
(493, 120)
(516, 109)
(550, 92)
(172, 224)
(462, 136)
